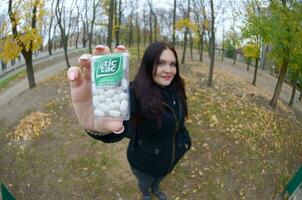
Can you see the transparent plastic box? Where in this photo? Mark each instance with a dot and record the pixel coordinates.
(110, 86)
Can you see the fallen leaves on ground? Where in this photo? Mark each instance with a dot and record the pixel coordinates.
(31, 126)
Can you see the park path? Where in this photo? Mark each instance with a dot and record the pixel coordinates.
(16, 89)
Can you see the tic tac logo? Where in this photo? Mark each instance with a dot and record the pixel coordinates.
(107, 66)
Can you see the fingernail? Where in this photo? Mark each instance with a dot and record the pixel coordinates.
(100, 47)
(121, 47)
(85, 56)
(72, 75)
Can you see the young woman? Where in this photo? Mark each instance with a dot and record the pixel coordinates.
(158, 136)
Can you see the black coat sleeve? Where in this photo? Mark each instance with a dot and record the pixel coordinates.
(111, 137)
(185, 134)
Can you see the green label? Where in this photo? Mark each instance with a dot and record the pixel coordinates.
(108, 70)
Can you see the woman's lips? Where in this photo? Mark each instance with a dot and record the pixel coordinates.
(166, 77)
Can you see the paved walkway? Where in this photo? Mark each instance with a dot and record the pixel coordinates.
(22, 85)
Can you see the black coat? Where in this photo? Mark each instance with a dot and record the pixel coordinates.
(154, 149)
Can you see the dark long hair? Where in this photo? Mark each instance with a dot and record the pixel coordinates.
(147, 90)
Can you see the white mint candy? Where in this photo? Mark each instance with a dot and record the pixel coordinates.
(114, 113)
(99, 113)
(103, 107)
(102, 98)
(124, 96)
(100, 91)
(116, 97)
(109, 93)
(118, 90)
(114, 105)
(108, 101)
(124, 106)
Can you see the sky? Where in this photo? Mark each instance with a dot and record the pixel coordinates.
(168, 4)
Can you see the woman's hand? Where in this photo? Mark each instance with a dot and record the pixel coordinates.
(81, 93)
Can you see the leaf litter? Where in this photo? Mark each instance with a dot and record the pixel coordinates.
(31, 126)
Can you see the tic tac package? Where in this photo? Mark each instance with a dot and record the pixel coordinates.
(110, 86)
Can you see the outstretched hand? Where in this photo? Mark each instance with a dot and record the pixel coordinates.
(81, 96)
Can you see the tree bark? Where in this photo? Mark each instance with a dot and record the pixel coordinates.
(292, 98)
(174, 21)
(150, 22)
(281, 77)
(110, 24)
(185, 37)
(138, 35)
(212, 46)
(255, 72)
(29, 68)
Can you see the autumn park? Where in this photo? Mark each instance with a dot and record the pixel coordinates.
(241, 62)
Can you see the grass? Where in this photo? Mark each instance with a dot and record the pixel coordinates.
(4, 83)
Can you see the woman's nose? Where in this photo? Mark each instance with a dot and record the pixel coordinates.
(167, 68)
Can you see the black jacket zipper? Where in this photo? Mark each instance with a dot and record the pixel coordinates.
(174, 133)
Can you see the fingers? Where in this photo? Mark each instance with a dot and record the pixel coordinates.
(74, 75)
(100, 50)
(120, 49)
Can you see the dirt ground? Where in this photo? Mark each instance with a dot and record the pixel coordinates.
(227, 160)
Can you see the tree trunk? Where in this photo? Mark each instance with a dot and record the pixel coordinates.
(110, 24)
(84, 35)
(130, 32)
(174, 21)
(138, 36)
(185, 47)
(150, 24)
(155, 26)
(292, 98)
(201, 46)
(185, 37)
(234, 56)
(255, 72)
(281, 77)
(300, 96)
(118, 21)
(65, 48)
(212, 46)
(191, 45)
(29, 68)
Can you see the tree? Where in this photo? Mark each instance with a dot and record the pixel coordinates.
(25, 21)
(212, 44)
(185, 37)
(283, 31)
(118, 21)
(202, 23)
(110, 23)
(174, 22)
(251, 31)
(65, 23)
(251, 50)
(280, 27)
(51, 27)
(95, 5)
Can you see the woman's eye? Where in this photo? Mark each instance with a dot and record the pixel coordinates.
(173, 64)
(160, 63)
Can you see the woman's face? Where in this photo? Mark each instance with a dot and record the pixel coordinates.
(166, 68)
